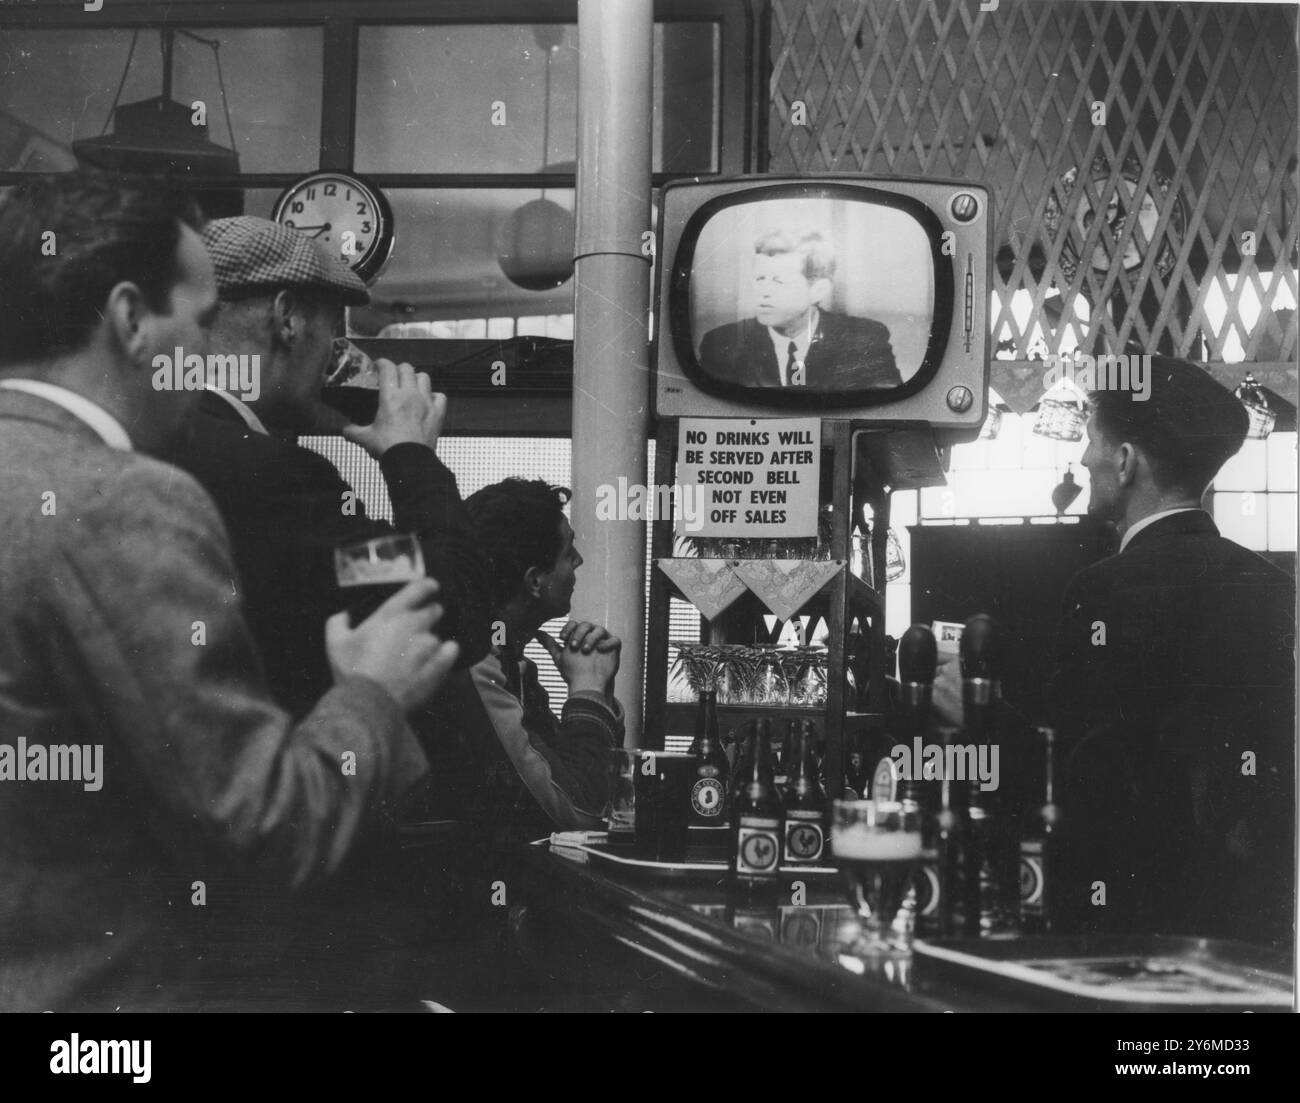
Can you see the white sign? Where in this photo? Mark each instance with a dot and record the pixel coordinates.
(755, 477)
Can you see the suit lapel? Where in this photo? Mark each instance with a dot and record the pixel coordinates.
(761, 351)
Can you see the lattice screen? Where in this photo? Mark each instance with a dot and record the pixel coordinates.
(1200, 118)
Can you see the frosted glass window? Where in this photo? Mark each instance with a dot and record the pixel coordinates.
(1281, 449)
(1247, 470)
(1243, 517)
(1281, 522)
(475, 98)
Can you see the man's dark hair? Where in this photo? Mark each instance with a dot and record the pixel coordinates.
(1189, 427)
(106, 230)
(517, 524)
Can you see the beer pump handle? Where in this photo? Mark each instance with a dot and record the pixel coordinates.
(918, 655)
(980, 649)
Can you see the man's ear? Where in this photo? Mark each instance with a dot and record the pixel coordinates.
(125, 313)
(820, 291)
(287, 319)
(534, 582)
(1127, 463)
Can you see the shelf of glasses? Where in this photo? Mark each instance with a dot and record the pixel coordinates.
(684, 711)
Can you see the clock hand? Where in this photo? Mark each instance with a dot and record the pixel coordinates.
(319, 229)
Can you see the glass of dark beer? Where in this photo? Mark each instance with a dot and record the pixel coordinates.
(370, 572)
(351, 385)
(663, 798)
(877, 845)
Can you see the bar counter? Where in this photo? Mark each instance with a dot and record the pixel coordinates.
(638, 942)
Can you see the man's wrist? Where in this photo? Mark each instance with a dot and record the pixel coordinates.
(588, 685)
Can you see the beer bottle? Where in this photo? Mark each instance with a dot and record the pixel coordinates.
(1038, 847)
(805, 802)
(709, 790)
(757, 816)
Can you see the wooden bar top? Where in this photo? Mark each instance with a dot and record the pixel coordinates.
(638, 941)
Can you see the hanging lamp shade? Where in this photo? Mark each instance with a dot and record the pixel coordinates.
(156, 136)
(535, 245)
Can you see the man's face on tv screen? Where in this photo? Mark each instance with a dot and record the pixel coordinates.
(783, 296)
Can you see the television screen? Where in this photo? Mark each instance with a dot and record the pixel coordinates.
(852, 296)
(797, 292)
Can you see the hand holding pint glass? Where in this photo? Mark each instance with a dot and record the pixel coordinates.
(395, 645)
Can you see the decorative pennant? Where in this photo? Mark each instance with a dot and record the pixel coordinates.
(785, 585)
(709, 584)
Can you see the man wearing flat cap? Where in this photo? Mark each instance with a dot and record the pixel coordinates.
(282, 299)
(1174, 686)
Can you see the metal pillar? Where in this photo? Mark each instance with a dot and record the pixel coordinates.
(611, 347)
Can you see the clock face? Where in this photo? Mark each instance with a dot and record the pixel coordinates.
(351, 218)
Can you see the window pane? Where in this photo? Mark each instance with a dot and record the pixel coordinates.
(1243, 517)
(444, 278)
(1281, 461)
(57, 86)
(446, 262)
(474, 98)
(1247, 470)
(1281, 522)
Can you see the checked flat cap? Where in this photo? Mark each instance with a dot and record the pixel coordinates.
(254, 256)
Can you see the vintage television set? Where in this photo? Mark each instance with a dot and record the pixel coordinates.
(844, 296)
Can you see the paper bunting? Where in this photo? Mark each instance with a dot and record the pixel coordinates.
(785, 585)
(709, 584)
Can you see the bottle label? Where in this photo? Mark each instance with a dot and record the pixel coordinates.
(706, 798)
(884, 782)
(804, 840)
(758, 847)
(927, 886)
(1031, 876)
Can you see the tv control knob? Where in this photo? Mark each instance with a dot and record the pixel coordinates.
(964, 206)
(960, 399)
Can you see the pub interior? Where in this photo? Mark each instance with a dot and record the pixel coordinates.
(842, 688)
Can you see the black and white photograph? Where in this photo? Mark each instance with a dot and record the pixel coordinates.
(649, 506)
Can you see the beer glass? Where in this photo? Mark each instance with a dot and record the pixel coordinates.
(351, 385)
(662, 793)
(622, 809)
(877, 845)
(370, 572)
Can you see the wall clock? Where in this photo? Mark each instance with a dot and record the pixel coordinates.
(350, 217)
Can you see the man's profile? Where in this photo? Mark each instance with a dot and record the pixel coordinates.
(792, 340)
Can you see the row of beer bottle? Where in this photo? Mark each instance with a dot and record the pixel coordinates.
(769, 824)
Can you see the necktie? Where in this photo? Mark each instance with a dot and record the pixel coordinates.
(786, 375)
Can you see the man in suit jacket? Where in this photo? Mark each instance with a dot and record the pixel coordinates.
(286, 507)
(792, 341)
(123, 654)
(1175, 686)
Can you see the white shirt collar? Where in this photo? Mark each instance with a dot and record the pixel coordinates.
(801, 344)
(1150, 519)
(105, 425)
(243, 410)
